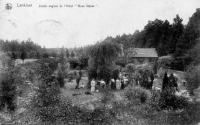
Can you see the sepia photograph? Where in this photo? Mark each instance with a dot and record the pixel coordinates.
(99, 62)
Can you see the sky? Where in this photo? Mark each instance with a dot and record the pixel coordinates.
(79, 26)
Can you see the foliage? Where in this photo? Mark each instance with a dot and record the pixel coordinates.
(101, 59)
(8, 91)
(130, 68)
(67, 53)
(165, 81)
(194, 54)
(62, 56)
(72, 54)
(47, 95)
(60, 78)
(145, 81)
(192, 77)
(191, 115)
(169, 100)
(14, 56)
(137, 95)
(105, 73)
(115, 74)
(16, 47)
(83, 62)
(11, 78)
(45, 55)
(38, 55)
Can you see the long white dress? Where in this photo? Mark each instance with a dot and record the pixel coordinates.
(118, 84)
(93, 83)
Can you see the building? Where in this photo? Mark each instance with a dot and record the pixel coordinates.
(138, 56)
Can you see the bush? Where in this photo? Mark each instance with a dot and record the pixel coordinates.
(137, 95)
(193, 78)
(45, 102)
(190, 116)
(8, 90)
(107, 97)
(61, 80)
(170, 101)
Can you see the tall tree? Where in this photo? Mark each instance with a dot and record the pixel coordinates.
(177, 32)
(72, 54)
(67, 53)
(165, 81)
(101, 59)
(193, 78)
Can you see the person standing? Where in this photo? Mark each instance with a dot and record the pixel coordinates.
(122, 84)
(77, 82)
(113, 86)
(118, 84)
(93, 83)
(102, 83)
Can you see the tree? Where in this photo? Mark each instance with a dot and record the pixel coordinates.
(152, 78)
(165, 82)
(101, 59)
(115, 74)
(62, 56)
(193, 78)
(72, 54)
(54, 54)
(38, 55)
(130, 68)
(60, 78)
(14, 56)
(8, 84)
(67, 53)
(145, 78)
(177, 32)
(46, 102)
(45, 55)
(23, 55)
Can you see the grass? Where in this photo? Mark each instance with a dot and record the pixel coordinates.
(125, 112)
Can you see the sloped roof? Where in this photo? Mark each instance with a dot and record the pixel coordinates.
(142, 52)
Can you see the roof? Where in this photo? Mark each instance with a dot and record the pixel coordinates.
(142, 52)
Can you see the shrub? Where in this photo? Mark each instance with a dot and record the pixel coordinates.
(193, 78)
(170, 101)
(190, 116)
(107, 97)
(137, 95)
(8, 92)
(60, 78)
(45, 102)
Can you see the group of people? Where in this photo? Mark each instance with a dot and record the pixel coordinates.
(114, 84)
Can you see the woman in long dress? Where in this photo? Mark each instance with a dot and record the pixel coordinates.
(93, 83)
(118, 84)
